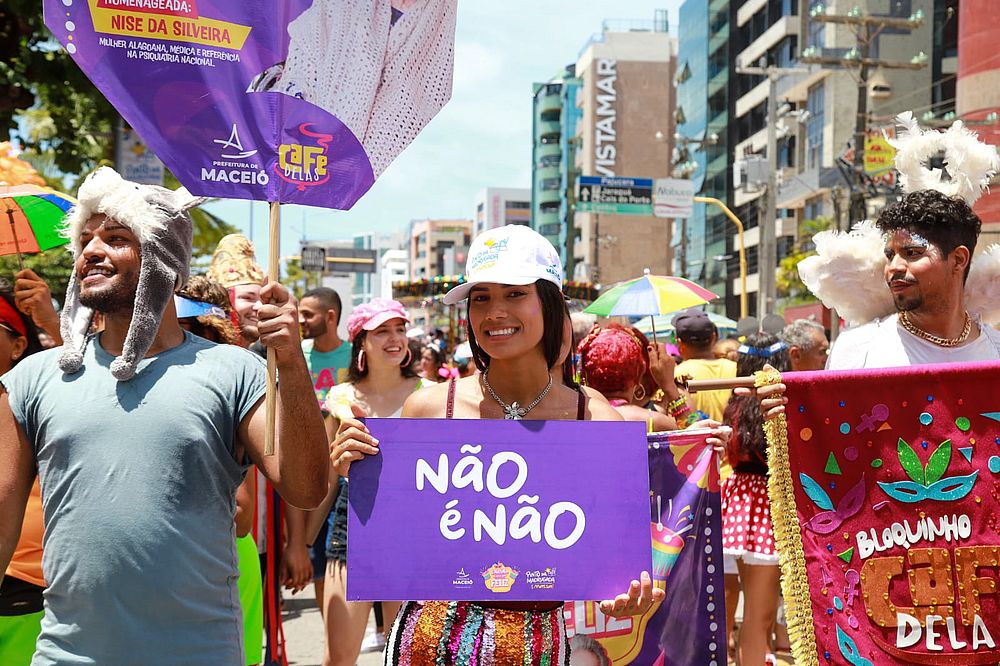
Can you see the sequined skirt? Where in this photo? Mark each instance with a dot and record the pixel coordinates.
(458, 633)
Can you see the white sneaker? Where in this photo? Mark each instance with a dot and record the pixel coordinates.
(374, 641)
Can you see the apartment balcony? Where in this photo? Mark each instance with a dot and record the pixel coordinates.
(548, 131)
(783, 27)
(718, 82)
(718, 40)
(715, 6)
(549, 103)
(717, 166)
(548, 150)
(547, 172)
(547, 196)
(719, 123)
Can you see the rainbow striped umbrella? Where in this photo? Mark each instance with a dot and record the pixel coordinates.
(649, 295)
(34, 216)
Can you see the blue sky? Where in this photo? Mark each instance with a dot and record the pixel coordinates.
(481, 138)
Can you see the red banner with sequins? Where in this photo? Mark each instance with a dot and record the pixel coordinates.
(887, 487)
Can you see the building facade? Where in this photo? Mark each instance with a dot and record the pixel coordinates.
(817, 106)
(702, 145)
(500, 206)
(438, 247)
(626, 101)
(393, 267)
(370, 285)
(553, 160)
(977, 94)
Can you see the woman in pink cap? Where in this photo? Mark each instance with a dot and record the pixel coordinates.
(516, 324)
(381, 378)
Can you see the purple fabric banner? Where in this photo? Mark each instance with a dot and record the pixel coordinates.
(689, 627)
(295, 101)
(498, 510)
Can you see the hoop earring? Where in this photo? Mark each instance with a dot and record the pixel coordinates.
(408, 359)
(361, 361)
(641, 395)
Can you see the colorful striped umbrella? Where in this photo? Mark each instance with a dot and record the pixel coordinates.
(649, 295)
(34, 216)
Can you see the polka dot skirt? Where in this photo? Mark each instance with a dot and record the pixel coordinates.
(747, 531)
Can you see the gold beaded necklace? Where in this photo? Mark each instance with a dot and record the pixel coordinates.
(910, 327)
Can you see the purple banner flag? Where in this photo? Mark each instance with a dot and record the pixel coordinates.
(499, 510)
(689, 627)
(294, 101)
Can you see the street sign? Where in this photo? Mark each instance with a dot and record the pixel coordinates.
(673, 197)
(133, 158)
(615, 195)
(353, 260)
(313, 258)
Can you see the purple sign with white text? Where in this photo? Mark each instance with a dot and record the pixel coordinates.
(294, 101)
(499, 510)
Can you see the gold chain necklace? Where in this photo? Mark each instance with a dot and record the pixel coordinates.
(910, 327)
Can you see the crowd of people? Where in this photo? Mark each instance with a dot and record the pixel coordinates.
(133, 429)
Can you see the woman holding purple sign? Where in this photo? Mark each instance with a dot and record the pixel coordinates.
(381, 378)
(516, 323)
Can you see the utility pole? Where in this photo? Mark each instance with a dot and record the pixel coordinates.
(767, 246)
(767, 250)
(866, 28)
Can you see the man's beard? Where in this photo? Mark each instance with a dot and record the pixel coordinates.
(908, 304)
(117, 297)
(314, 331)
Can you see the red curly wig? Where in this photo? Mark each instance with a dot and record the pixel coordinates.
(612, 358)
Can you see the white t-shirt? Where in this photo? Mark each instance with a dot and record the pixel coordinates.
(886, 344)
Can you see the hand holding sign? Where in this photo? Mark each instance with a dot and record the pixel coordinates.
(352, 442)
(491, 513)
(638, 600)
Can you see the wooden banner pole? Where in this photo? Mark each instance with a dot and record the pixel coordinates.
(696, 385)
(273, 273)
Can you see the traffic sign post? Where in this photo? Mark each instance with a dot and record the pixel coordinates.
(313, 258)
(673, 197)
(615, 195)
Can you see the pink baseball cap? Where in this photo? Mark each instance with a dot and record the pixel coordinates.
(369, 316)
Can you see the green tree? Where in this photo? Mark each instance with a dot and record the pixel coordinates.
(46, 102)
(789, 286)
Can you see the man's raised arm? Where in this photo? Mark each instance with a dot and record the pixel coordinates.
(299, 467)
(17, 473)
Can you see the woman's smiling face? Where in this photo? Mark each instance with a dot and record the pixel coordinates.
(507, 319)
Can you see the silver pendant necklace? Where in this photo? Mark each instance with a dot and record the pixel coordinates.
(513, 411)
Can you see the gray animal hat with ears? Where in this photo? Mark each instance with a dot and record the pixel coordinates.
(159, 219)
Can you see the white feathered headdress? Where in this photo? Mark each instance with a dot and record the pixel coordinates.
(970, 163)
(847, 272)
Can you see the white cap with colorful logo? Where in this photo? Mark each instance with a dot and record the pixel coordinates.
(513, 254)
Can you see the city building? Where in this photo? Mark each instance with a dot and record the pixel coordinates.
(555, 115)
(817, 108)
(977, 94)
(626, 101)
(702, 145)
(393, 267)
(342, 282)
(500, 206)
(369, 285)
(438, 247)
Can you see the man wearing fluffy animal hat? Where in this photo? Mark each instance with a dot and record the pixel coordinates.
(908, 282)
(140, 436)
